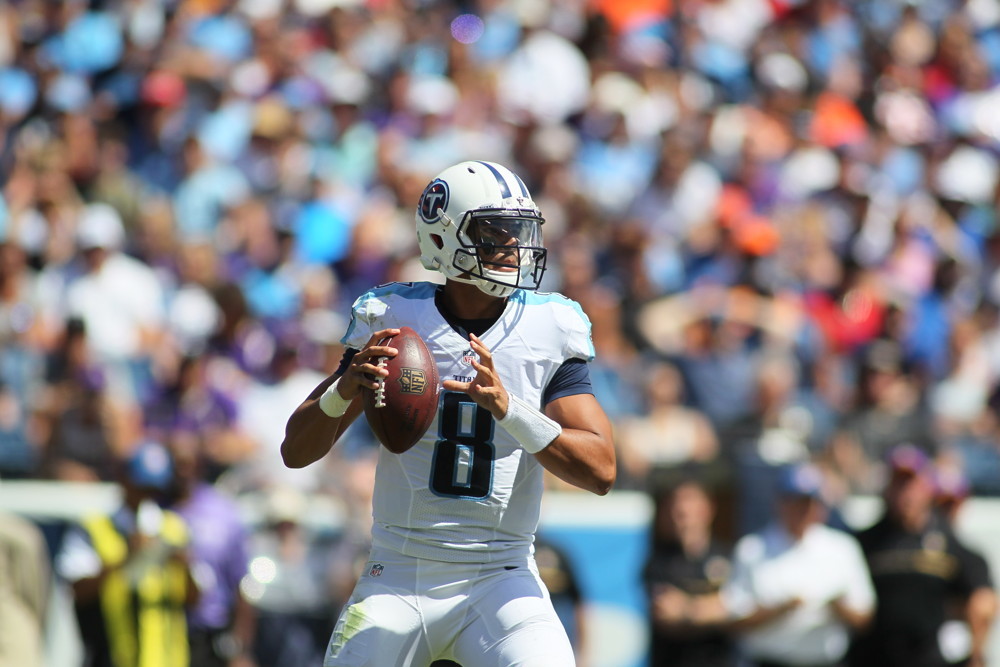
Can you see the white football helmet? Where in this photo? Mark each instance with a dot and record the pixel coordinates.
(476, 223)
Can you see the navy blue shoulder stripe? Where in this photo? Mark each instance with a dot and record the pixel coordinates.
(501, 181)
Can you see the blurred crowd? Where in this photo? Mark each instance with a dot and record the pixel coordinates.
(780, 215)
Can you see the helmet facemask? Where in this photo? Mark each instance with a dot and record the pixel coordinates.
(501, 249)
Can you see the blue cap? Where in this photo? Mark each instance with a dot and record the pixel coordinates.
(801, 480)
(150, 466)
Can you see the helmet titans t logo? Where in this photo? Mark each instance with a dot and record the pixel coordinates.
(433, 201)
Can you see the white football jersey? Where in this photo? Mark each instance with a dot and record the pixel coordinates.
(467, 491)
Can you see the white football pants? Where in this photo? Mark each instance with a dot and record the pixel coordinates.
(407, 612)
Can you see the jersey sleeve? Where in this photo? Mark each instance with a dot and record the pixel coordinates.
(738, 595)
(973, 573)
(576, 330)
(572, 378)
(365, 313)
(77, 558)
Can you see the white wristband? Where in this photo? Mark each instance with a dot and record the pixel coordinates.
(533, 430)
(332, 403)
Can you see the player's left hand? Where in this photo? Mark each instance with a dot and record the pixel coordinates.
(242, 661)
(485, 389)
(670, 605)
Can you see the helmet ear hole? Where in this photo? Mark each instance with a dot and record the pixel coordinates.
(437, 240)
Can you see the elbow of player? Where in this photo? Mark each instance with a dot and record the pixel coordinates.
(288, 458)
(604, 480)
(291, 458)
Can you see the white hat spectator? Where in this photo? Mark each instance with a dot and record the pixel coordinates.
(320, 7)
(259, 10)
(782, 72)
(547, 78)
(983, 14)
(323, 326)
(29, 230)
(616, 92)
(969, 174)
(347, 85)
(68, 92)
(341, 81)
(907, 117)
(193, 316)
(554, 143)
(809, 170)
(251, 78)
(431, 95)
(285, 504)
(100, 226)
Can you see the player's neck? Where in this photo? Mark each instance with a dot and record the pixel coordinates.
(467, 302)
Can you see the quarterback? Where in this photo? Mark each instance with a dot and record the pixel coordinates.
(451, 574)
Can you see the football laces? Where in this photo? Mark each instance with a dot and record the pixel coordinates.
(380, 392)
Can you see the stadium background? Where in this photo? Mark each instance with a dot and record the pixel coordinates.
(792, 203)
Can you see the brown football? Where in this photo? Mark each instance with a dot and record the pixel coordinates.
(402, 409)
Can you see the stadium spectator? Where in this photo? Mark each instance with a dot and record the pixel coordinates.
(120, 300)
(259, 408)
(186, 401)
(799, 589)
(963, 637)
(890, 409)
(25, 583)
(917, 565)
(87, 430)
(221, 627)
(685, 568)
(21, 356)
(291, 582)
(667, 434)
(617, 370)
(130, 571)
(772, 434)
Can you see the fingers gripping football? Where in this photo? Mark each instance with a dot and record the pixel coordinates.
(368, 367)
(400, 390)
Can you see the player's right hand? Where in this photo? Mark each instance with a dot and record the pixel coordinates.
(364, 369)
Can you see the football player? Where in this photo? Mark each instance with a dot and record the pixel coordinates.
(451, 574)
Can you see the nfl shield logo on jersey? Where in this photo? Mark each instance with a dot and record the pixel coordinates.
(468, 357)
(376, 570)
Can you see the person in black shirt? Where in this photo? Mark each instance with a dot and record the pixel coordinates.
(918, 568)
(684, 570)
(971, 618)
